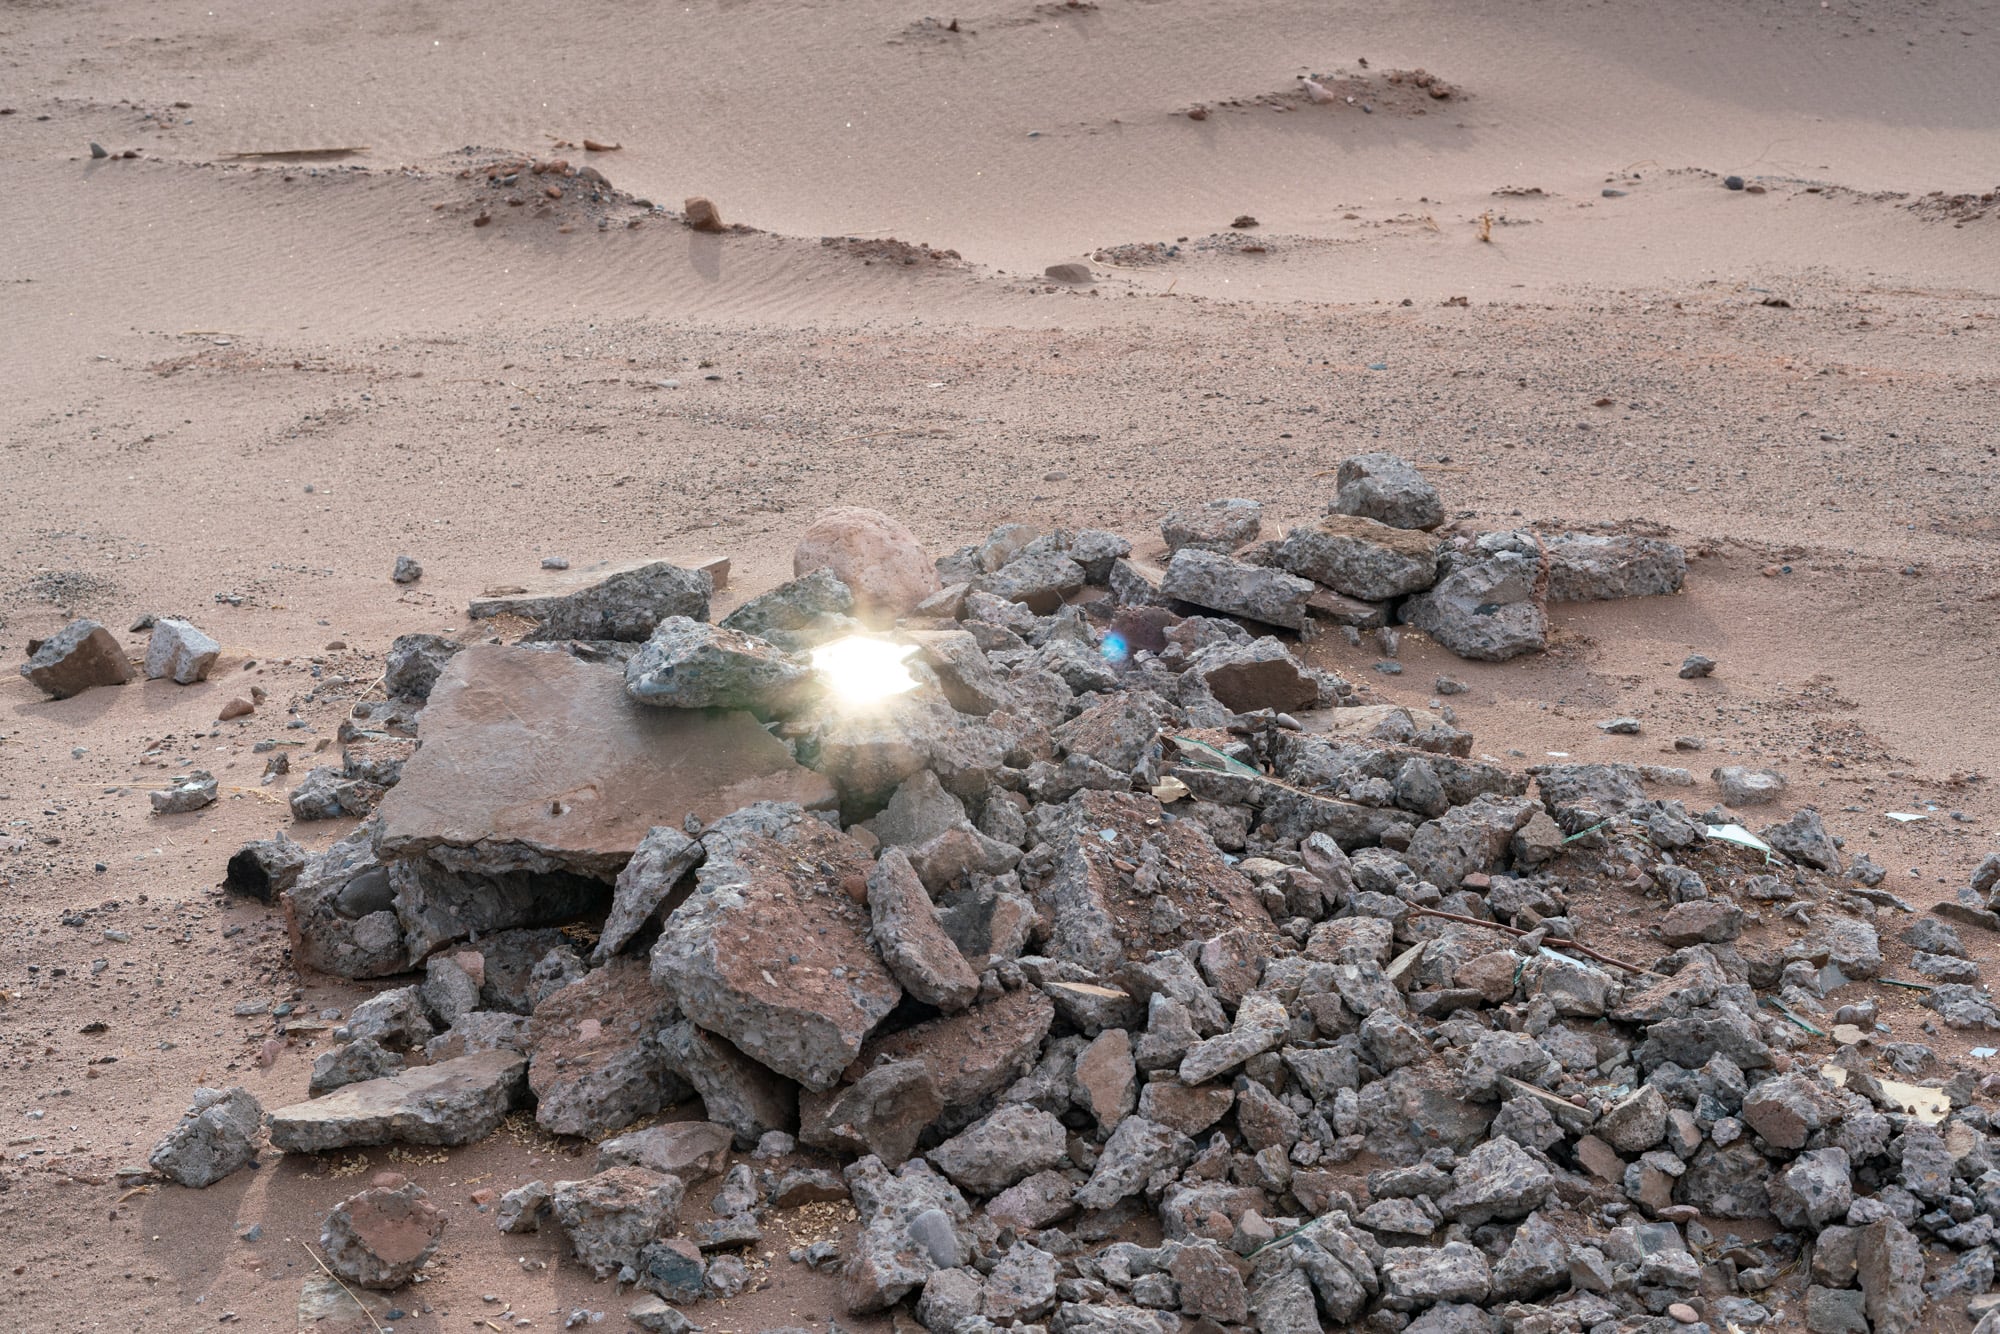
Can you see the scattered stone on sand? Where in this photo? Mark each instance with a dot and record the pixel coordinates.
(190, 792)
(216, 1136)
(180, 652)
(1742, 786)
(80, 655)
(1695, 666)
(702, 215)
(407, 570)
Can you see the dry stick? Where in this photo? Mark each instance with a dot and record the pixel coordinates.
(1552, 944)
(366, 1313)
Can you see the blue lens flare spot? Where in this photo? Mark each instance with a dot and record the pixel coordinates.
(1113, 648)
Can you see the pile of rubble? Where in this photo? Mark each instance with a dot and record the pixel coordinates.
(1123, 925)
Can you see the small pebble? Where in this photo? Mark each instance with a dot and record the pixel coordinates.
(555, 562)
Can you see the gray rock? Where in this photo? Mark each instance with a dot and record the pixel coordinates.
(1035, 1203)
(180, 651)
(1040, 582)
(1468, 839)
(80, 655)
(912, 939)
(777, 886)
(1636, 1123)
(407, 570)
(190, 792)
(1388, 489)
(449, 992)
(734, 1090)
(1963, 1006)
(326, 793)
(1695, 666)
(884, 1264)
(1743, 786)
(1282, 1304)
(1219, 526)
(798, 615)
(413, 663)
(453, 1102)
(1813, 1190)
(663, 857)
(477, 1031)
(612, 1216)
(653, 1314)
(1414, 1277)
(1361, 558)
(689, 664)
(1485, 605)
(672, 1270)
(1891, 1270)
(1209, 1283)
(523, 1208)
(919, 811)
(1584, 567)
(214, 1138)
(1221, 583)
(381, 1237)
(624, 604)
(1095, 550)
(351, 1063)
(1261, 1024)
(1836, 1311)
(1011, 1143)
(1022, 1286)
(1136, 1150)
(1499, 1179)
(1536, 1261)
(1261, 674)
(1786, 1109)
(952, 1297)
(1804, 839)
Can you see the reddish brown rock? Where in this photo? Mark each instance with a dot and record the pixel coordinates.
(1105, 1078)
(974, 1054)
(536, 761)
(596, 1064)
(773, 951)
(878, 558)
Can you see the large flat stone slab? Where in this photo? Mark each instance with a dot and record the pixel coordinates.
(452, 1102)
(535, 761)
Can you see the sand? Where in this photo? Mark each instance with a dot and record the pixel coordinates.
(239, 387)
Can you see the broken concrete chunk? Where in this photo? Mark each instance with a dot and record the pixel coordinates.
(1387, 489)
(689, 664)
(662, 859)
(772, 951)
(215, 1137)
(1488, 603)
(597, 1064)
(453, 1102)
(623, 603)
(612, 1216)
(1221, 583)
(796, 616)
(1218, 526)
(1584, 567)
(1011, 1143)
(912, 939)
(180, 652)
(381, 1237)
(1360, 558)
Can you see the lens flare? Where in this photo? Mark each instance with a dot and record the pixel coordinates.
(1114, 647)
(861, 670)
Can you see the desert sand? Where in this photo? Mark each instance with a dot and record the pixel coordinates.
(291, 327)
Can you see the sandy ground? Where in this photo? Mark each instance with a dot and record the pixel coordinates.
(238, 387)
